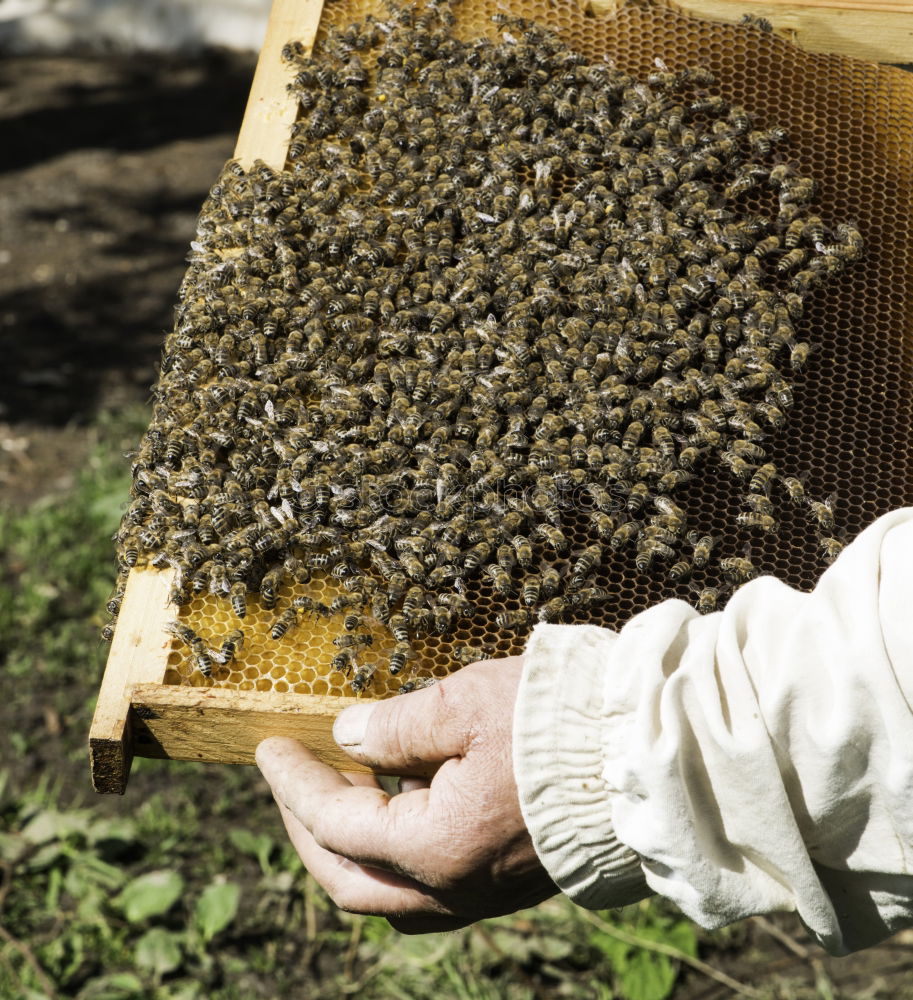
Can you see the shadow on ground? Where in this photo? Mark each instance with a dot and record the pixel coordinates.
(105, 164)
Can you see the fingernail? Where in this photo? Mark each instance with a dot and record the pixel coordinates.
(269, 757)
(351, 724)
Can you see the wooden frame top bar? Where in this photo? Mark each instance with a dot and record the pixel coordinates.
(271, 109)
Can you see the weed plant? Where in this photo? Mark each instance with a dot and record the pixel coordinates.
(187, 887)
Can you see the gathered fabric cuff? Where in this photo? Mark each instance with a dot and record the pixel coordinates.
(748, 761)
(559, 756)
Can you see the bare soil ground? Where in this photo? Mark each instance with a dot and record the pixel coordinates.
(104, 164)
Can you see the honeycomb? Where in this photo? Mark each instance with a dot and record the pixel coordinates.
(851, 127)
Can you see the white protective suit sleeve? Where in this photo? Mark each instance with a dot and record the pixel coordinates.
(752, 760)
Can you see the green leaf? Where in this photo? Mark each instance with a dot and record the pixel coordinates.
(117, 986)
(257, 845)
(184, 990)
(281, 882)
(105, 832)
(108, 507)
(216, 908)
(682, 935)
(150, 895)
(48, 825)
(646, 976)
(12, 847)
(46, 856)
(614, 950)
(159, 951)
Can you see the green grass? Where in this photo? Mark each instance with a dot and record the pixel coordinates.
(187, 887)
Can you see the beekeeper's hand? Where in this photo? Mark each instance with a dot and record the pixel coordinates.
(442, 853)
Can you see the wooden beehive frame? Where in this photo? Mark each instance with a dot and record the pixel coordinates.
(137, 713)
(877, 30)
(140, 715)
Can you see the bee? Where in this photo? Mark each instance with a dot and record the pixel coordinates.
(673, 479)
(677, 359)
(738, 569)
(669, 509)
(823, 512)
(760, 503)
(637, 498)
(849, 240)
(182, 632)
(269, 585)
(650, 549)
(551, 581)
(353, 641)
(514, 619)
(307, 605)
(553, 609)
(532, 586)
(830, 547)
(523, 550)
(604, 524)
(399, 626)
(763, 478)
(352, 621)
(680, 570)
(443, 576)
(413, 566)
(600, 496)
(363, 677)
(343, 601)
(798, 355)
(287, 620)
(230, 646)
(416, 685)
(708, 599)
(506, 558)
(402, 652)
(712, 348)
(624, 534)
(201, 652)
(464, 655)
(795, 489)
(780, 394)
(702, 546)
(756, 519)
(742, 422)
(772, 414)
(414, 599)
(553, 537)
(632, 435)
(477, 556)
(739, 466)
(238, 598)
(343, 661)
(663, 441)
(500, 579)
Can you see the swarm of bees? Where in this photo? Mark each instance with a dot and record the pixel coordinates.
(497, 288)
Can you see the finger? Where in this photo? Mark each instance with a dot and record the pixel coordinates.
(360, 822)
(424, 727)
(359, 888)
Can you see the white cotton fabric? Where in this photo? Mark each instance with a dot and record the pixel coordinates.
(752, 760)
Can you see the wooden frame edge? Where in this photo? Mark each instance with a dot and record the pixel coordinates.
(225, 726)
(139, 654)
(271, 110)
(874, 30)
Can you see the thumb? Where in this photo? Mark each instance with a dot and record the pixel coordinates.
(406, 733)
